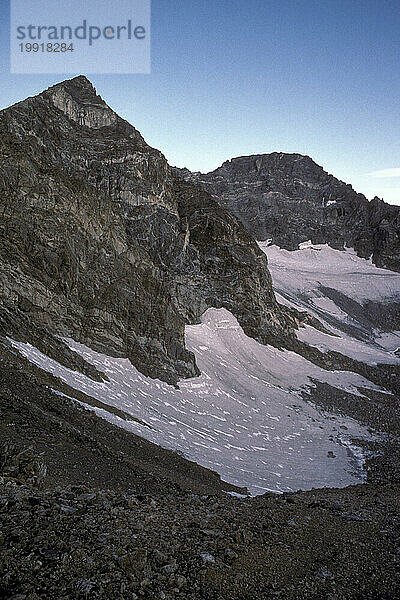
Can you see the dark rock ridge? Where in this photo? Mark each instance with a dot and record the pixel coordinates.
(101, 241)
(290, 199)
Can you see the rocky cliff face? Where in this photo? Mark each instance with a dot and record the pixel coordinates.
(289, 199)
(100, 240)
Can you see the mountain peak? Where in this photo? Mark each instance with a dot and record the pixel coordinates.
(78, 99)
(76, 86)
(81, 79)
(289, 198)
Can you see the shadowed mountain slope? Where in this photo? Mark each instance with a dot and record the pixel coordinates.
(290, 199)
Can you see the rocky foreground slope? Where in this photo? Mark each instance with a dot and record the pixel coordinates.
(289, 199)
(88, 511)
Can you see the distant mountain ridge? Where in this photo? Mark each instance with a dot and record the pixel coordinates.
(290, 199)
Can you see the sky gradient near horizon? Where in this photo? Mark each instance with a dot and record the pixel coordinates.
(232, 78)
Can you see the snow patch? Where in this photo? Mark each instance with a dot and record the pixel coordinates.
(301, 279)
(242, 417)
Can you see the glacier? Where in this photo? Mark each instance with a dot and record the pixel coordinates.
(247, 416)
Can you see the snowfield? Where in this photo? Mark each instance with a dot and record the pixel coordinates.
(302, 278)
(245, 416)
(303, 271)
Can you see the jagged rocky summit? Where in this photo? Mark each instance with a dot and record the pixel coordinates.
(100, 240)
(289, 199)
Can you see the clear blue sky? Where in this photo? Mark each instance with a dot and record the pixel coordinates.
(240, 77)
